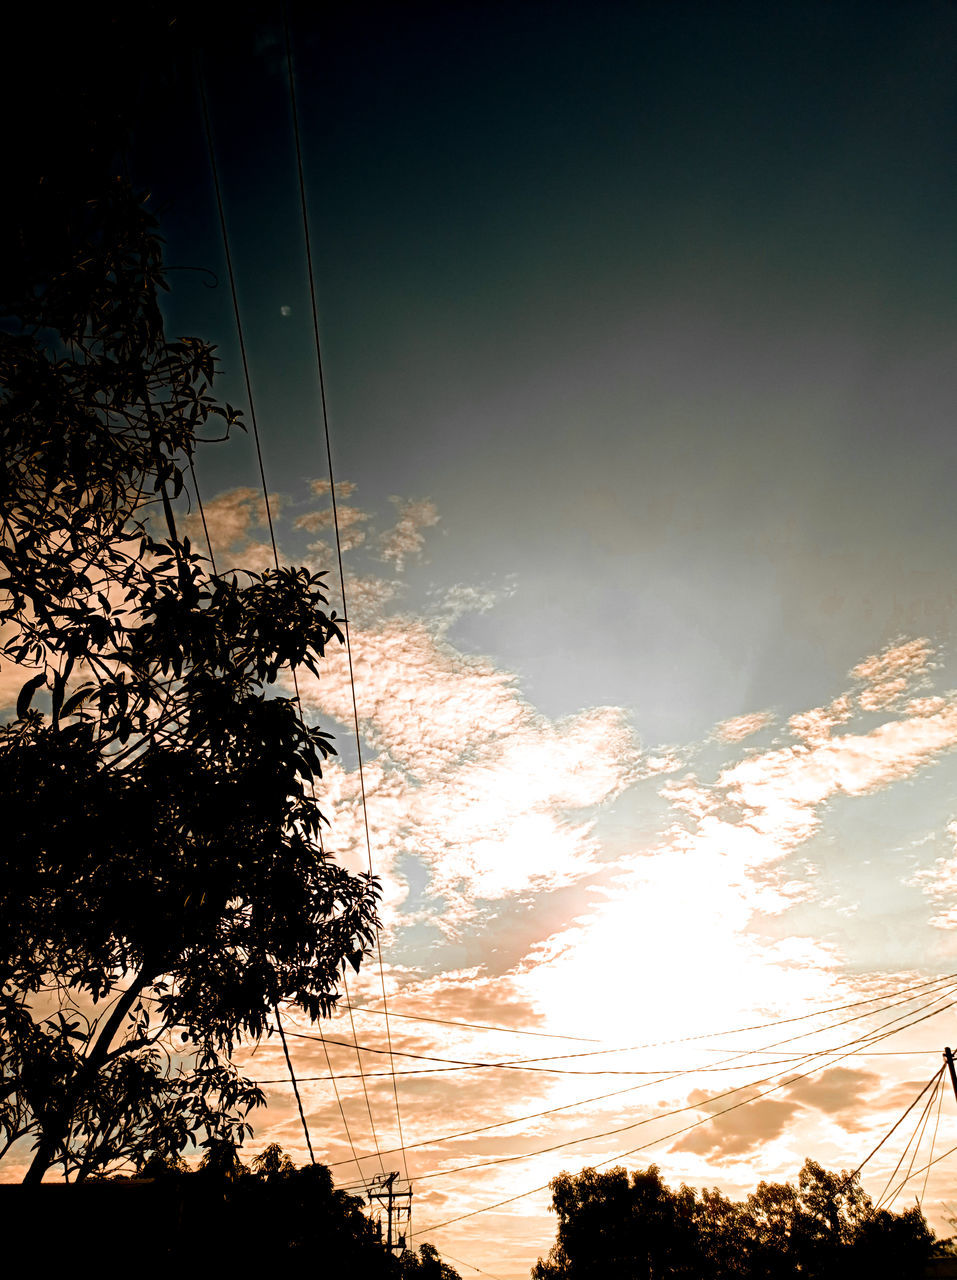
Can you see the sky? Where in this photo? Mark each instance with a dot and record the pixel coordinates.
(638, 328)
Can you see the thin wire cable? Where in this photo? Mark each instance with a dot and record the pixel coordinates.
(923, 1129)
(902, 993)
(855, 1172)
(623, 1155)
(707, 1070)
(282, 1034)
(342, 1112)
(933, 1142)
(202, 515)
(375, 1137)
(887, 1186)
(906, 999)
(672, 1073)
(534, 1064)
(295, 1085)
(918, 1130)
(224, 231)
(471, 1026)
(470, 1265)
(232, 289)
(881, 1033)
(709, 1035)
(898, 1189)
(335, 520)
(608, 1133)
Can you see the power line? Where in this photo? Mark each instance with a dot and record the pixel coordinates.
(673, 1072)
(921, 1170)
(477, 1026)
(473, 1026)
(224, 231)
(623, 1155)
(923, 1130)
(918, 1130)
(244, 360)
(933, 1141)
(295, 1086)
(470, 1265)
(534, 1064)
(335, 1086)
(335, 521)
(934, 1078)
(608, 1133)
(872, 1038)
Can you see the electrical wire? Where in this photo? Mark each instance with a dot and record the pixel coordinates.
(913, 1138)
(933, 1141)
(472, 1026)
(661, 1079)
(534, 1064)
(898, 1189)
(295, 1086)
(335, 520)
(244, 360)
(855, 1173)
(923, 1129)
(202, 515)
(623, 1155)
(671, 1073)
(471, 1265)
(608, 1133)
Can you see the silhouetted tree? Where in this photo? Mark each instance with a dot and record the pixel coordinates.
(162, 888)
(621, 1228)
(610, 1225)
(274, 1216)
(425, 1265)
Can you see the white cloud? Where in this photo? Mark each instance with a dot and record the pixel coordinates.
(739, 727)
(492, 796)
(349, 519)
(939, 882)
(889, 675)
(231, 519)
(814, 727)
(406, 538)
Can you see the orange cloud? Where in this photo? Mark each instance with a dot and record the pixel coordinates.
(892, 673)
(406, 538)
(739, 727)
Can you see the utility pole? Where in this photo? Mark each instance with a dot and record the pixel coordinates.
(397, 1203)
(949, 1059)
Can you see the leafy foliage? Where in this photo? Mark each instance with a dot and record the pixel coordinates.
(635, 1228)
(163, 872)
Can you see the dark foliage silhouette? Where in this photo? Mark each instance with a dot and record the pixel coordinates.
(163, 889)
(271, 1214)
(635, 1227)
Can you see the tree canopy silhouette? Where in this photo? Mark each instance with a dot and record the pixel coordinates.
(163, 885)
(636, 1227)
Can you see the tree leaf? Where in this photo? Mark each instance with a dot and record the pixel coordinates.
(27, 692)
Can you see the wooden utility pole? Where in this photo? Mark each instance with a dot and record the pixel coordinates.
(949, 1059)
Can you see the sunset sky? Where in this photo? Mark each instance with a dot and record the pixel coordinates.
(638, 324)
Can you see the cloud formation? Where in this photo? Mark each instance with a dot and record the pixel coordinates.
(516, 895)
(740, 727)
(489, 794)
(407, 538)
(739, 1132)
(939, 883)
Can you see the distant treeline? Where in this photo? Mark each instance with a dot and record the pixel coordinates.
(612, 1226)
